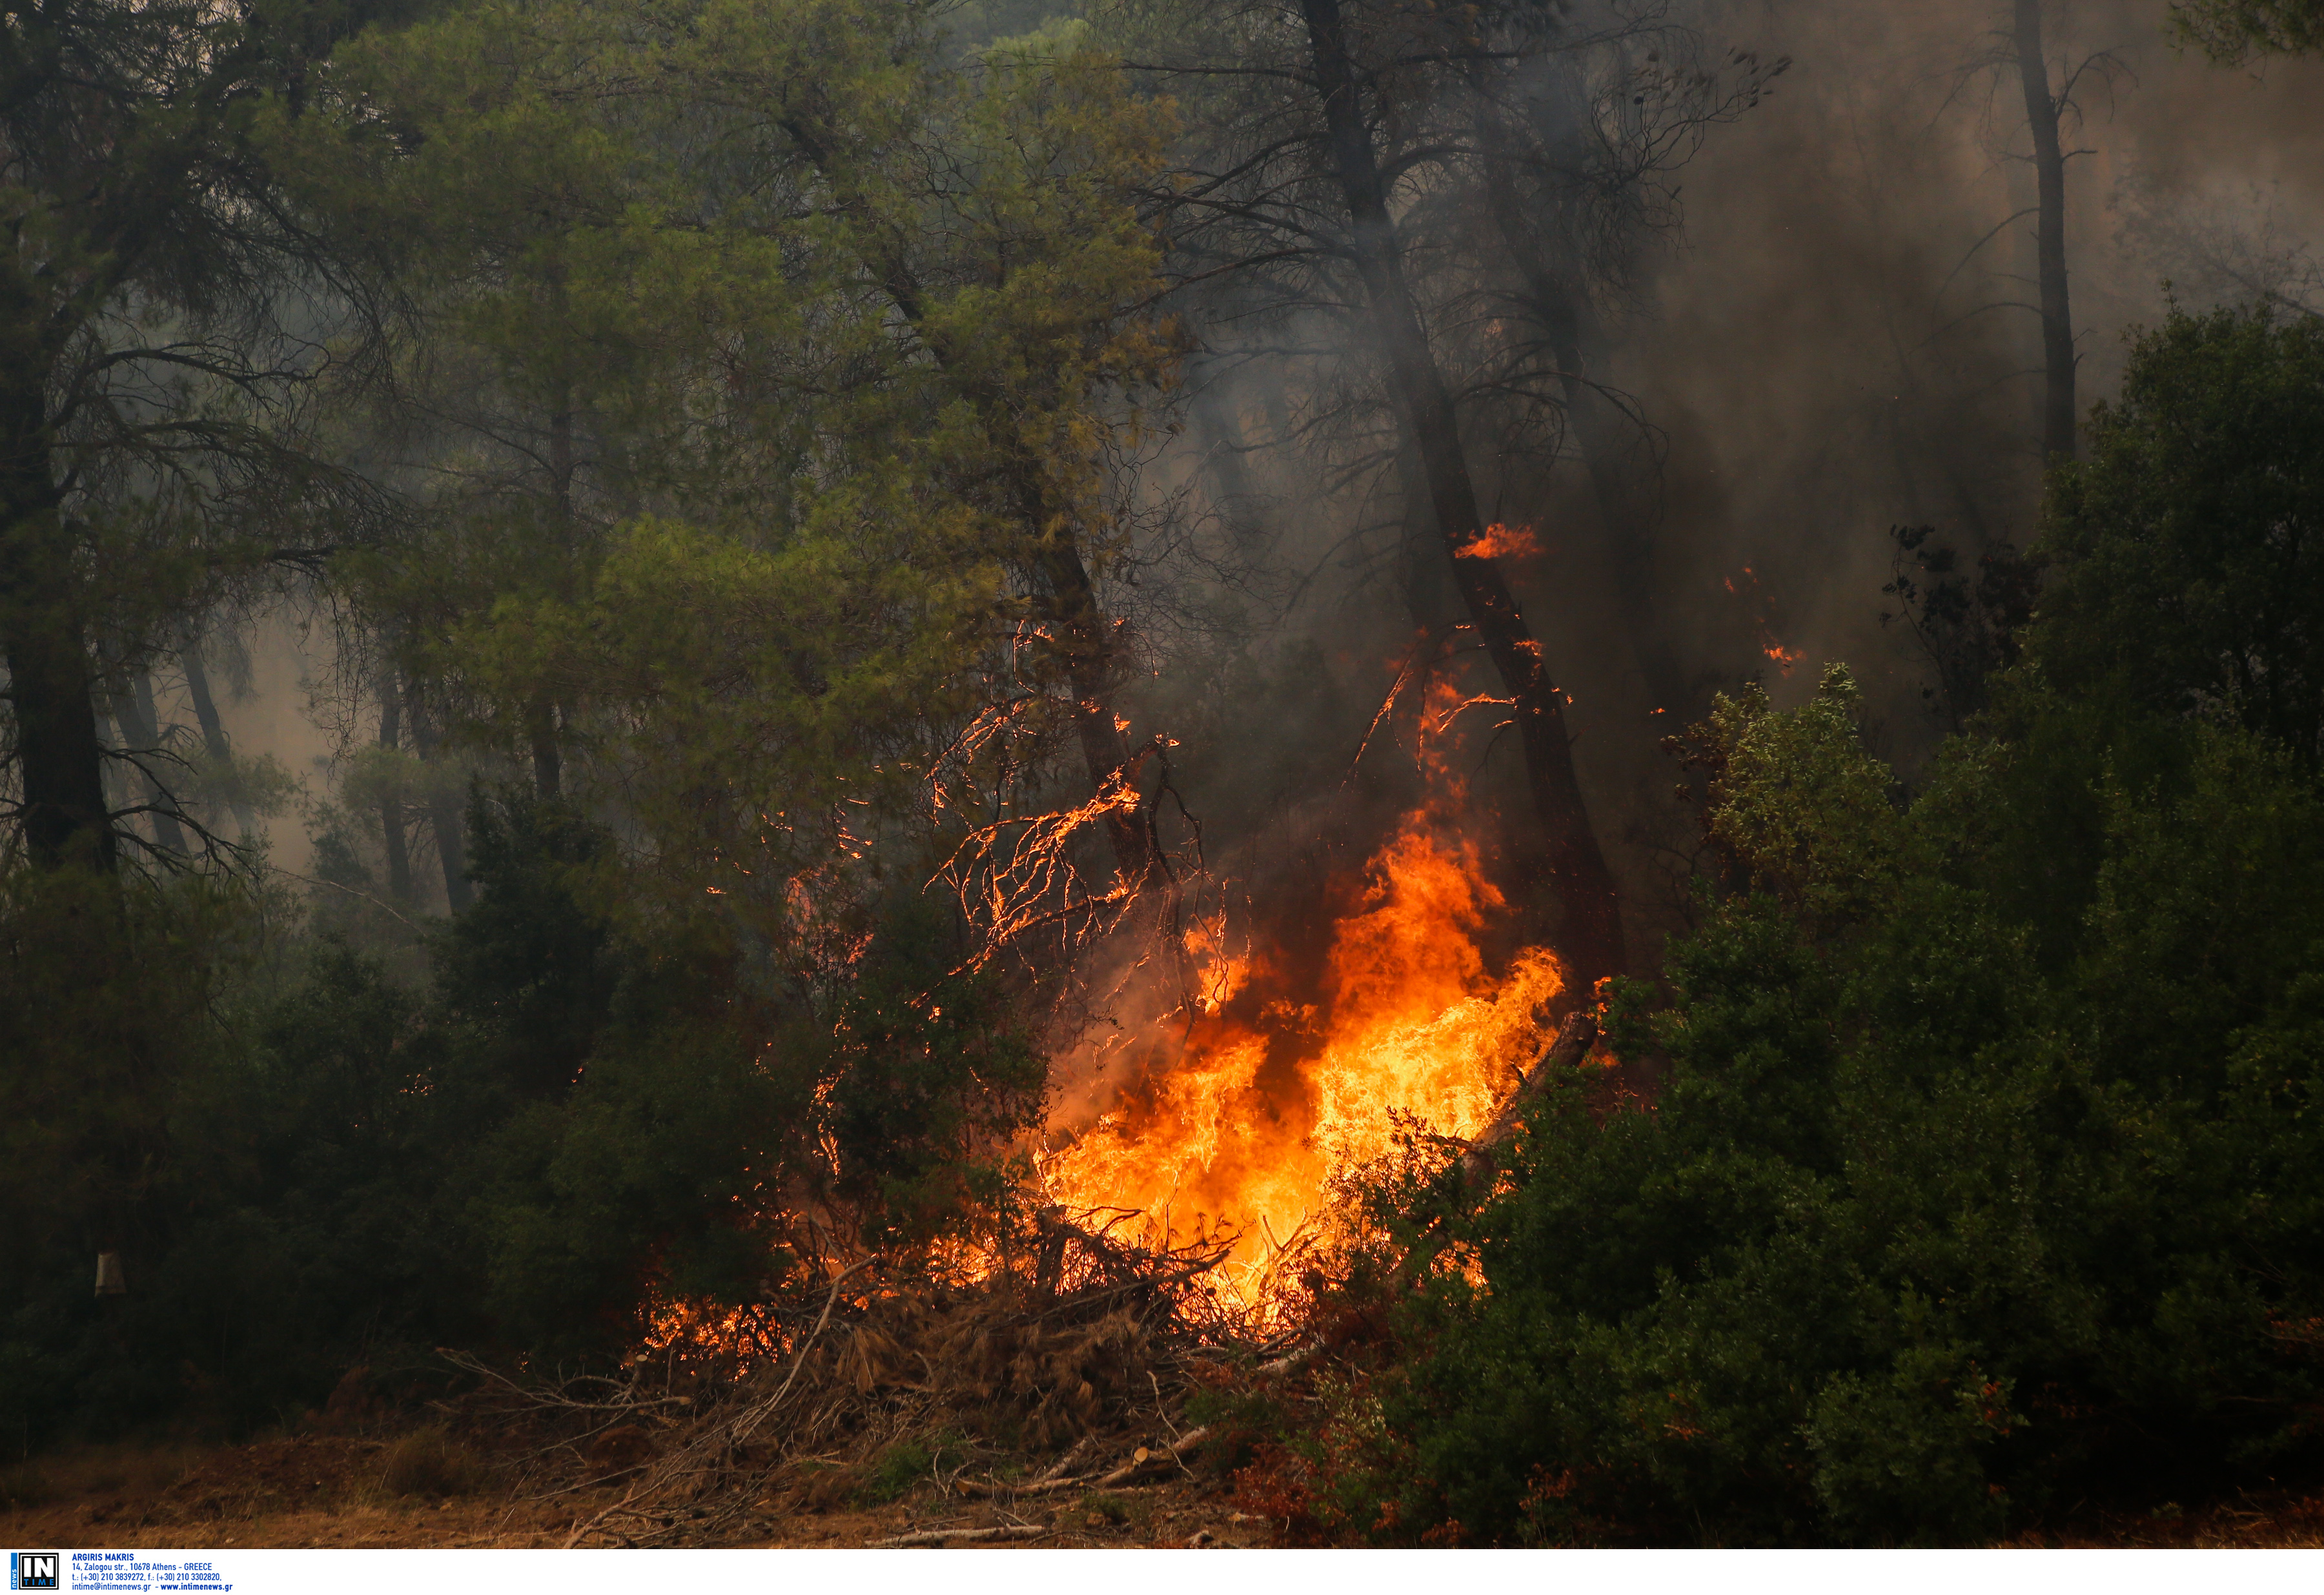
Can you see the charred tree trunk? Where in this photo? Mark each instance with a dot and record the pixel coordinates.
(2041, 109)
(1628, 518)
(540, 715)
(1086, 639)
(1592, 929)
(548, 758)
(130, 712)
(391, 811)
(1429, 597)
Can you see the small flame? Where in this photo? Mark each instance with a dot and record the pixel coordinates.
(1497, 541)
(1764, 621)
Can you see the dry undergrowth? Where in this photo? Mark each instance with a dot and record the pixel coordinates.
(1069, 1376)
(1047, 1405)
(1044, 1403)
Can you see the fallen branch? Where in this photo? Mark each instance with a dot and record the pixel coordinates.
(963, 1536)
(1292, 1362)
(982, 1488)
(1063, 1464)
(1175, 1452)
(744, 1426)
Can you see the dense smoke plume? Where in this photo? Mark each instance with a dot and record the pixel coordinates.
(1836, 338)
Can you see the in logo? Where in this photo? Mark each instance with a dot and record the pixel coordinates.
(33, 1569)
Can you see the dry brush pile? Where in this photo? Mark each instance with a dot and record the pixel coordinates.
(1067, 1367)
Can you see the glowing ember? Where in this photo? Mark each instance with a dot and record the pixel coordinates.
(1238, 1118)
(1764, 620)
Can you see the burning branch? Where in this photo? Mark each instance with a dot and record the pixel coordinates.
(1018, 875)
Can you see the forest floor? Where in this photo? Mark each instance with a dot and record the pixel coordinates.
(333, 1490)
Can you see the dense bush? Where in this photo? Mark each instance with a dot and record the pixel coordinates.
(574, 1126)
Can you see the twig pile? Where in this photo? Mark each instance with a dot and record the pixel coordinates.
(1086, 1347)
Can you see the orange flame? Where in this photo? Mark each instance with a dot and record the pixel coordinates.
(1497, 541)
(1240, 1120)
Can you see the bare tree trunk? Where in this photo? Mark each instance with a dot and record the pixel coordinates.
(390, 812)
(206, 715)
(1592, 929)
(1623, 510)
(130, 705)
(540, 716)
(444, 818)
(2042, 107)
(1429, 597)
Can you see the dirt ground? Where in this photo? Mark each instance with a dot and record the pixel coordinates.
(2270, 1520)
(333, 1490)
(326, 1490)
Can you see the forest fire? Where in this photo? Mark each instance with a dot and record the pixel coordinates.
(1497, 541)
(1235, 1121)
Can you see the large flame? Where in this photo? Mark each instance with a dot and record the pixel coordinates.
(1237, 1117)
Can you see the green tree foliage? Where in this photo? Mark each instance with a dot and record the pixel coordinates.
(571, 1132)
(2190, 546)
(758, 366)
(765, 421)
(108, 991)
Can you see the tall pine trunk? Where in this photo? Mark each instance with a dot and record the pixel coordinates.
(2041, 109)
(1545, 259)
(59, 758)
(443, 817)
(1241, 507)
(206, 715)
(1592, 933)
(1625, 514)
(390, 812)
(141, 735)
